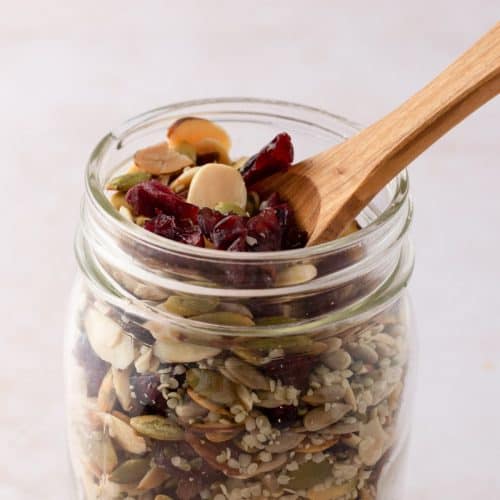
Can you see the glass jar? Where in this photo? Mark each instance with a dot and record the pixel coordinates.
(194, 373)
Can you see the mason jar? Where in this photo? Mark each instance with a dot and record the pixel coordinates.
(195, 373)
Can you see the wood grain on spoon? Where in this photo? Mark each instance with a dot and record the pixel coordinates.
(329, 190)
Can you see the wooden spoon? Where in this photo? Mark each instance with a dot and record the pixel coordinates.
(329, 190)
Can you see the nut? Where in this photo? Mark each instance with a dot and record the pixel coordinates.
(193, 130)
(160, 159)
(295, 275)
(215, 183)
(213, 150)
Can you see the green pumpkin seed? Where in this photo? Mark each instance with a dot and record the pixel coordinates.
(274, 320)
(186, 149)
(212, 385)
(157, 427)
(309, 474)
(130, 471)
(190, 306)
(227, 208)
(224, 318)
(126, 181)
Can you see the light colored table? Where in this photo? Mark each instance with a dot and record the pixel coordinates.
(71, 70)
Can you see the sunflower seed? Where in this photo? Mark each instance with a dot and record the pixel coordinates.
(295, 275)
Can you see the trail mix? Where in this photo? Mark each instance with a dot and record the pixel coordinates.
(157, 413)
(187, 189)
(155, 416)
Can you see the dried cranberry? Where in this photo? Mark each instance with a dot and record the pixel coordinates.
(148, 197)
(293, 236)
(148, 399)
(207, 219)
(95, 368)
(266, 230)
(238, 245)
(169, 227)
(282, 416)
(293, 369)
(227, 230)
(277, 156)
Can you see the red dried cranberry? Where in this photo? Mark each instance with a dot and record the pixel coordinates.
(281, 416)
(266, 230)
(148, 399)
(238, 245)
(293, 369)
(227, 230)
(173, 229)
(293, 236)
(148, 197)
(277, 156)
(207, 219)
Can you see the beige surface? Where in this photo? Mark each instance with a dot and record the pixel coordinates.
(71, 70)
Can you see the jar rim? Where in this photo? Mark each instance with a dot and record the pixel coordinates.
(101, 203)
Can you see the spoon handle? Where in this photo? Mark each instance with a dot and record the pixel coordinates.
(393, 142)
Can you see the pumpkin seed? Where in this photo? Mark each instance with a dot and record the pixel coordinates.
(127, 181)
(235, 308)
(160, 159)
(215, 183)
(170, 351)
(221, 437)
(309, 474)
(206, 404)
(310, 447)
(157, 427)
(273, 320)
(227, 208)
(224, 318)
(295, 275)
(130, 471)
(246, 374)
(211, 385)
(287, 441)
(276, 463)
(319, 418)
(154, 478)
(186, 149)
(190, 306)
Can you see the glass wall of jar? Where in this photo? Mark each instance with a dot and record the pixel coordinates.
(202, 374)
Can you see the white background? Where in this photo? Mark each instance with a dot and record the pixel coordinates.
(71, 70)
